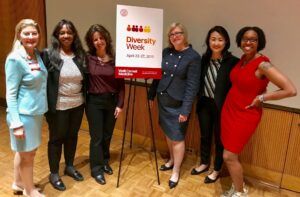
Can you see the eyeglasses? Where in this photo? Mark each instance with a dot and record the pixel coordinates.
(175, 34)
(251, 40)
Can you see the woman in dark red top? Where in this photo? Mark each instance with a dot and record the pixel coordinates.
(105, 99)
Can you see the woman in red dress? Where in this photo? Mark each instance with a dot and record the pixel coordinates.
(242, 109)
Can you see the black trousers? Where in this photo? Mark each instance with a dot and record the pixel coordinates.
(63, 132)
(209, 120)
(100, 114)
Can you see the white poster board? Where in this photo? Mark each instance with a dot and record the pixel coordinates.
(138, 42)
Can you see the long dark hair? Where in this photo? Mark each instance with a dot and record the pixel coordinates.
(76, 46)
(222, 31)
(105, 33)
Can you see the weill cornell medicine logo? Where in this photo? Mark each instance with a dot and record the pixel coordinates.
(139, 28)
(123, 12)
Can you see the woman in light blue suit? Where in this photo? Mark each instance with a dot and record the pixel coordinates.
(26, 78)
(176, 91)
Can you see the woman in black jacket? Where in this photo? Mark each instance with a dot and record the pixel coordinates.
(65, 90)
(217, 63)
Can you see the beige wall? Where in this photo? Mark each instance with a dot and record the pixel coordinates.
(279, 19)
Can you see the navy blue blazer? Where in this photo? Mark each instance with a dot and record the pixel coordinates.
(180, 77)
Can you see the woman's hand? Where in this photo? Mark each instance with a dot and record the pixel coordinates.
(19, 133)
(182, 118)
(118, 110)
(255, 103)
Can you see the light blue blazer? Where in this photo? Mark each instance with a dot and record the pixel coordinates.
(25, 87)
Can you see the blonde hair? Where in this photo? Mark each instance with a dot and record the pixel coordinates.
(19, 27)
(183, 29)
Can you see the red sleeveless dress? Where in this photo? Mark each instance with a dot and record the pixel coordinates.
(237, 123)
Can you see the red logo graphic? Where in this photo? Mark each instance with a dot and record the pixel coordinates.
(139, 28)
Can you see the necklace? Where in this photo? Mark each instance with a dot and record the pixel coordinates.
(103, 59)
(31, 58)
(62, 52)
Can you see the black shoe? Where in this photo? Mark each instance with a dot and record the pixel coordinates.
(100, 179)
(195, 172)
(70, 171)
(172, 184)
(57, 184)
(165, 168)
(208, 180)
(107, 169)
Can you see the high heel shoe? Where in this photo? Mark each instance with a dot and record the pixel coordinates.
(173, 184)
(28, 195)
(17, 190)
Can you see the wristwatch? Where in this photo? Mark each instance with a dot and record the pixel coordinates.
(261, 98)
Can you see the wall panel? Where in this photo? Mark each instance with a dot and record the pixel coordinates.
(11, 12)
(291, 174)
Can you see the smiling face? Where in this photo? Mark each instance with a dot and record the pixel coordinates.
(216, 43)
(99, 41)
(177, 38)
(65, 37)
(249, 42)
(29, 37)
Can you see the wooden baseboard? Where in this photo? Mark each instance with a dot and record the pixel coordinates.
(290, 182)
(263, 174)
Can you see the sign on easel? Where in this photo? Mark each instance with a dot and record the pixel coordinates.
(139, 42)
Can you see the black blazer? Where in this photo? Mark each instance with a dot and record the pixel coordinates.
(223, 83)
(54, 68)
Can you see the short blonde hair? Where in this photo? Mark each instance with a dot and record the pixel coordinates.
(19, 27)
(183, 29)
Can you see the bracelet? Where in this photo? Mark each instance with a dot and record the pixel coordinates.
(261, 98)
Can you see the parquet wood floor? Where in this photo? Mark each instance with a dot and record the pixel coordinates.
(138, 178)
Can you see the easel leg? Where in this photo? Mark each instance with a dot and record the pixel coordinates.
(124, 132)
(131, 132)
(152, 133)
(132, 116)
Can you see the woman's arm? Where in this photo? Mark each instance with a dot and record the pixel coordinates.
(286, 87)
(192, 85)
(13, 75)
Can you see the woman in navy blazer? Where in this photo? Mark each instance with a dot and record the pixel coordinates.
(217, 63)
(176, 91)
(26, 80)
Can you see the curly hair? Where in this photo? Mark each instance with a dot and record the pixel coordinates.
(106, 35)
(55, 46)
(260, 36)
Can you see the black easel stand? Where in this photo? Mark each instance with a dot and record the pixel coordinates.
(131, 131)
